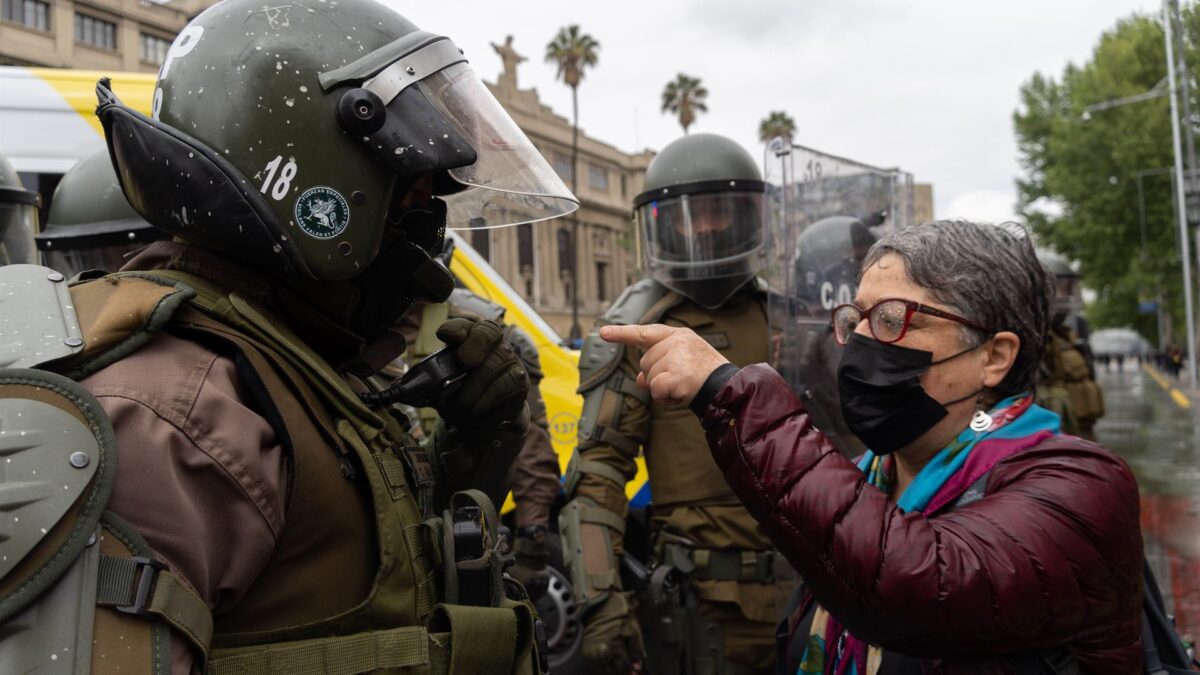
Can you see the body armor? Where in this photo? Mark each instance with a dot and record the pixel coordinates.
(362, 511)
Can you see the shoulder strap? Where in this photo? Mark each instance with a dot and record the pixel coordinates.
(142, 586)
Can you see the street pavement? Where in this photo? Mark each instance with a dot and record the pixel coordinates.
(1155, 425)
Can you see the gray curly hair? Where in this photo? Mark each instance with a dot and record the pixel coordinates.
(987, 273)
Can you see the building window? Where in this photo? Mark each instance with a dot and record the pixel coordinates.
(154, 49)
(564, 253)
(597, 178)
(601, 281)
(29, 13)
(562, 166)
(95, 32)
(481, 241)
(525, 246)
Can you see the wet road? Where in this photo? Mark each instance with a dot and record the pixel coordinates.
(1156, 428)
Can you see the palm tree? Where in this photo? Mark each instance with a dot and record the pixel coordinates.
(685, 97)
(573, 52)
(777, 123)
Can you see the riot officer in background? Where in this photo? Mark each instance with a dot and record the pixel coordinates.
(91, 226)
(270, 512)
(1067, 383)
(716, 588)
(18, 217)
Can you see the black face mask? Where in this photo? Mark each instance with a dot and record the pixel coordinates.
(882, 399)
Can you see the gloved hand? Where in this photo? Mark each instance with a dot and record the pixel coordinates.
(495, 388)
(612, 640)
(532, 568)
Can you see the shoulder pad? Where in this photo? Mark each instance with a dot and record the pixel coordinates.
(37, 317)
(464, 300)
(636, 302)
(526, 350)
(59, 451)
(597, 361)
(643, 302)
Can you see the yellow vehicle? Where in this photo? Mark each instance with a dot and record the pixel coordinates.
(49, 124)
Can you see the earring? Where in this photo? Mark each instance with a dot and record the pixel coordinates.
(981, 421)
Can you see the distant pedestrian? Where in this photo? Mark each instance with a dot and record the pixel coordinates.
(1175, 360)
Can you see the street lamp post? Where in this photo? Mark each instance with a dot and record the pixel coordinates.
(1181, 196)
(1181, 193)
(1160, 323)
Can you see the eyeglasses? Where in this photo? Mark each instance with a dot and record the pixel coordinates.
(888, 319)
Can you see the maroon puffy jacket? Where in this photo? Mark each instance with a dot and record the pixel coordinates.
(1051, 556)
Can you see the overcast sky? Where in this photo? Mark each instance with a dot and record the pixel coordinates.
(929, 86)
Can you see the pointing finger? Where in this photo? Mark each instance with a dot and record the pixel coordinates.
(637, 336)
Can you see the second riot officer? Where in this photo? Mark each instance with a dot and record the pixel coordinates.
(715, 590)
(269, 512)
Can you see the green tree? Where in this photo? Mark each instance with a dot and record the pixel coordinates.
(776, 123)
(686, 97)
(573, 52)
(1079, 191)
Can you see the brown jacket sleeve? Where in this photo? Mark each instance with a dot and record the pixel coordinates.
(1050, 556)
(200, 474)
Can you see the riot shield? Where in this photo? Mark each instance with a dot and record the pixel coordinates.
(823, 214)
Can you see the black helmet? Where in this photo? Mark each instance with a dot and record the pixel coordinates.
(701, 218)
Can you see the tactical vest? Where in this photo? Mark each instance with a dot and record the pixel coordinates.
(1067, 387)
(739, 331)
(363, 577)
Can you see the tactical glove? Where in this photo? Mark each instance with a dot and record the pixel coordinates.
(486, 415)
(495, 387)
(532, 568)
(612, 641)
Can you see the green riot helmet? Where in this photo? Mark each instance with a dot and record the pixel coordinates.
(701, 218)
(1068, 293)
(18, 218)
(293, 137)
(91, 226)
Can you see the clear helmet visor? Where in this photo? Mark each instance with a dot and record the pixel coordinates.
(18, 225)
(510, 182)
(705, 246)
(703, 236)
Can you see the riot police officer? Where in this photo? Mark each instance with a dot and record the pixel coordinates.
(270, 512)
(1066, 383)
(18, 217)
(90, 225)
(716, 587)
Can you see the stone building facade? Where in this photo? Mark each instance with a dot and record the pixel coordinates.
(536, 259)
(922, 202)
(126, 35)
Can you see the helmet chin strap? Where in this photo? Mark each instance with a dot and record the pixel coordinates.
(404, 272)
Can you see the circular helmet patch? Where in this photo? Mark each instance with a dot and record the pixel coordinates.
(322, 212)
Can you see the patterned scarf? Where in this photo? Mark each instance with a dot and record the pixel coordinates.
(1017, 423)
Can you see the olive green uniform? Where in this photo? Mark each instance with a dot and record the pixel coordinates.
(736, 582)
(536, 480)
(1066, 385)
(359, 572)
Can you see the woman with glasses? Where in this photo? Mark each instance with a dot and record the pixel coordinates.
(973, 536)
